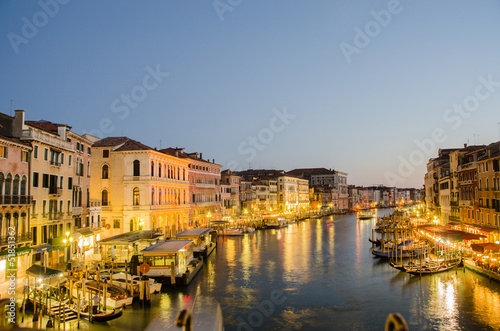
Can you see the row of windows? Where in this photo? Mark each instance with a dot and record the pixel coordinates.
(4, 153)
(158, 196)
(51, 181)
(10, 185)
(203, 168)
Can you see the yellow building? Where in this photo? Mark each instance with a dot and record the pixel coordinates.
(139, 187)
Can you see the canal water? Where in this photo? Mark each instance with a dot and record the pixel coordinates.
(319, 274)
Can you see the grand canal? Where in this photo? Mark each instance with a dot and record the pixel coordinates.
(320, 275)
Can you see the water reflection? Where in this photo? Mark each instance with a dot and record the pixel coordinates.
(331, 282)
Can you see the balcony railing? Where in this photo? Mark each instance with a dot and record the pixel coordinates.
(48, 138)
(204, 185)
(15, 199)
(55, 163)
(77, 210)
(465, 203)
(19, 238)
(55, 190)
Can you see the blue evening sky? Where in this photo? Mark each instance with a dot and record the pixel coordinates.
(357, 86)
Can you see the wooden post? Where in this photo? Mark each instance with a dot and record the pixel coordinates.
(105, 294)
(78, 310)
(172, 273)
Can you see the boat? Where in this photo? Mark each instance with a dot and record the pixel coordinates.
(101, 316)
(408, 248)
(432, 267)
(204, 240)
(232, 232)
(115, 296)
(277, 223)
(122, 280)
(366, 215)
(374, 242)
(169, 261)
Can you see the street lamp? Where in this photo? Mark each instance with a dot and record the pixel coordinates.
(141, 223)
(67, 241)
(208, 221)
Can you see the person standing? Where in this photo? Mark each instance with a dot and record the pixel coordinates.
(95, 303)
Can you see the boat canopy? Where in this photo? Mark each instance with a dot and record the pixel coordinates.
(42, 272)
(194, 232)
(167, 246)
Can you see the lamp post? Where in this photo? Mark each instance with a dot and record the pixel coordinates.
(67, 241)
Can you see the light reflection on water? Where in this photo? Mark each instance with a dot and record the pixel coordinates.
(329, 281)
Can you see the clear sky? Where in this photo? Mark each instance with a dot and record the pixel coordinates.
(371, 88)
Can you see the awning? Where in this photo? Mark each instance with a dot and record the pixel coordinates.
(39, 271)
(485, 247)
(86, 233)
(56, 248)
(41, 248)
(18, 252)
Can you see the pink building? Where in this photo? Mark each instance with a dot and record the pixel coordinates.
(204, 187)
(15, 203)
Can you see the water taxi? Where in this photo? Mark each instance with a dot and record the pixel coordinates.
(123, 280)
(204, 240)
(366, 215)
(170, 261)
(277, 223)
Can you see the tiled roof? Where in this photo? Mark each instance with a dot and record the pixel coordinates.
(312, 171)
(46, 125)
(110, 142)
(14, 140)
(132, 145)
(179, 152)
(122, 144)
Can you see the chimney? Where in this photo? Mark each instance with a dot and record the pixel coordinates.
(61, 130)
(176, 153)
(201, 156)
(213, 160)
(18, 123)
(465, 145)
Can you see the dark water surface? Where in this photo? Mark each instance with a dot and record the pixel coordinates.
(320, 275)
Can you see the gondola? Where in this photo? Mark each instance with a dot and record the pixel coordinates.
(101, 316)
(432, 268)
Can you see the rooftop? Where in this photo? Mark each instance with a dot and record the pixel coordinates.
(167, 246)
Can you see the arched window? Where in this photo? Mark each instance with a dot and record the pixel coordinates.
(152, 196)
(183, 174)
(15, 187)
(178, 174)
(152, 169)
(159, 197)
(137, 168)
(23, 186)
(159, 169)
(104, 198)
(8, 184)
(137, 197)
(2, 179)
(105, 171)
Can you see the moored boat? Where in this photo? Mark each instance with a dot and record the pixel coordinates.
(204, 240)
(170, 261)
(101, 316)
(432, 267)
(115, 296)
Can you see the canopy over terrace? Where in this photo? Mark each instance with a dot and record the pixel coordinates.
(481, 248)
(121, 247)
(450, 234)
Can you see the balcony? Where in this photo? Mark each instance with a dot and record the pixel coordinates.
(19, 238)
(153, 179)
(77, 210)
(466, 203)
(15, 199)
(55, 163)
(55, 216)
(203, 185)
(57, 191)
(46, 137)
